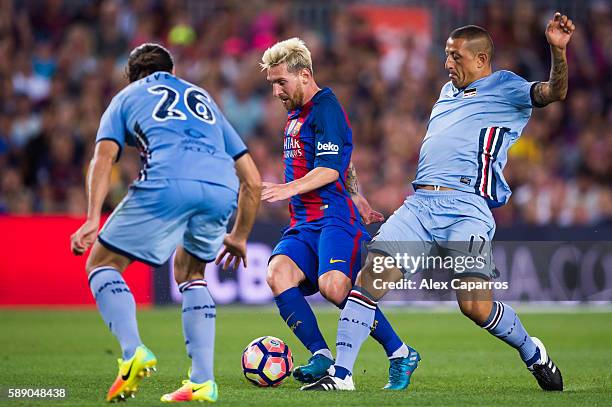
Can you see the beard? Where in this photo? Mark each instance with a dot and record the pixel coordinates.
(295, 101)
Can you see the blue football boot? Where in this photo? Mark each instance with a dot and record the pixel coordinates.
(401, 369)
(315, 369)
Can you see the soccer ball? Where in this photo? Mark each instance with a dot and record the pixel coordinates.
(267, 361)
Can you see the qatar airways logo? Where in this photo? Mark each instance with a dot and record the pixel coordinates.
(292, 148)
(327, 148)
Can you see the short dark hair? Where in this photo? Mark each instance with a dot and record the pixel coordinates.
(146, 59)
(474, 32)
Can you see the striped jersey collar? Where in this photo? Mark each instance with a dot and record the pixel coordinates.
(457, 90)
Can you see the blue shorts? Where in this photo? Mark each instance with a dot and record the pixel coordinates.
(158, 215)
(319, 249)
(452, 223)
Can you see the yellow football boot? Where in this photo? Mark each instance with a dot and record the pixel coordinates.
(131, 373)
(190, 391)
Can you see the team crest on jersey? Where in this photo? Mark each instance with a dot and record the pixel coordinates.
(296, 129)
(290, 129)
(469, 93)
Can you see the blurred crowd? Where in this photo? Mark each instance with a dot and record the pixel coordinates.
(62, 61)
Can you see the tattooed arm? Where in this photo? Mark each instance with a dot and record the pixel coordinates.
(351, 183)
(558, 33)
(368, 214)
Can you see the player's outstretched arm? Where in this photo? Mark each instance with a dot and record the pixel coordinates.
(248, 203)
(98, 182)
(368, 214)
(558, 33)
(315, 178)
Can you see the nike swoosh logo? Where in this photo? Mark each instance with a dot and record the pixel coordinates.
(194, 389)
(127, 375)
(332, 261)
(288, 318)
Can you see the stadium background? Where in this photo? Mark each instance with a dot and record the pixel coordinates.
(62, 61)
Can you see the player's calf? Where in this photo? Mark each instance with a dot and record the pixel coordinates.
(333, 286)
(475, 304)
(503, 323)
(187, 267)
(284, 277)
(354, 326)
(477, 311)
(100, 256)
(198, 315)
(117, 307)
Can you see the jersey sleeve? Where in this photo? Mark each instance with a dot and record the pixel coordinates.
(234, 146)
(330, 135)
(112, 125)
(517, 90)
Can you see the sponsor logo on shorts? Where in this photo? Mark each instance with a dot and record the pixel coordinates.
(332, 261)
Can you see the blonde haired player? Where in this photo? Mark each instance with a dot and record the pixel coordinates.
(320, 250)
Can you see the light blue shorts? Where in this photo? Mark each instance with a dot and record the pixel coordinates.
(444, 223)
(156, 216)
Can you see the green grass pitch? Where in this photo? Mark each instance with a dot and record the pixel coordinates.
(462, 365)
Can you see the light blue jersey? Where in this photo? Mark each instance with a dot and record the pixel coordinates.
(178, 129)
(469, 133)
(468, 136)
(187, 189)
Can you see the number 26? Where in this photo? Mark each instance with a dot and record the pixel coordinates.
(194, 99)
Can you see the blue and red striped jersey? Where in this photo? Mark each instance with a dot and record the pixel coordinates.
(319, 135)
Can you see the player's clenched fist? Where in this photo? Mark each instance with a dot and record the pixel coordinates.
(84, 237)
(559, 30)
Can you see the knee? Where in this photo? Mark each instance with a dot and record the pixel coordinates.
(280, 279)
(333, 289)
(477, 311)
